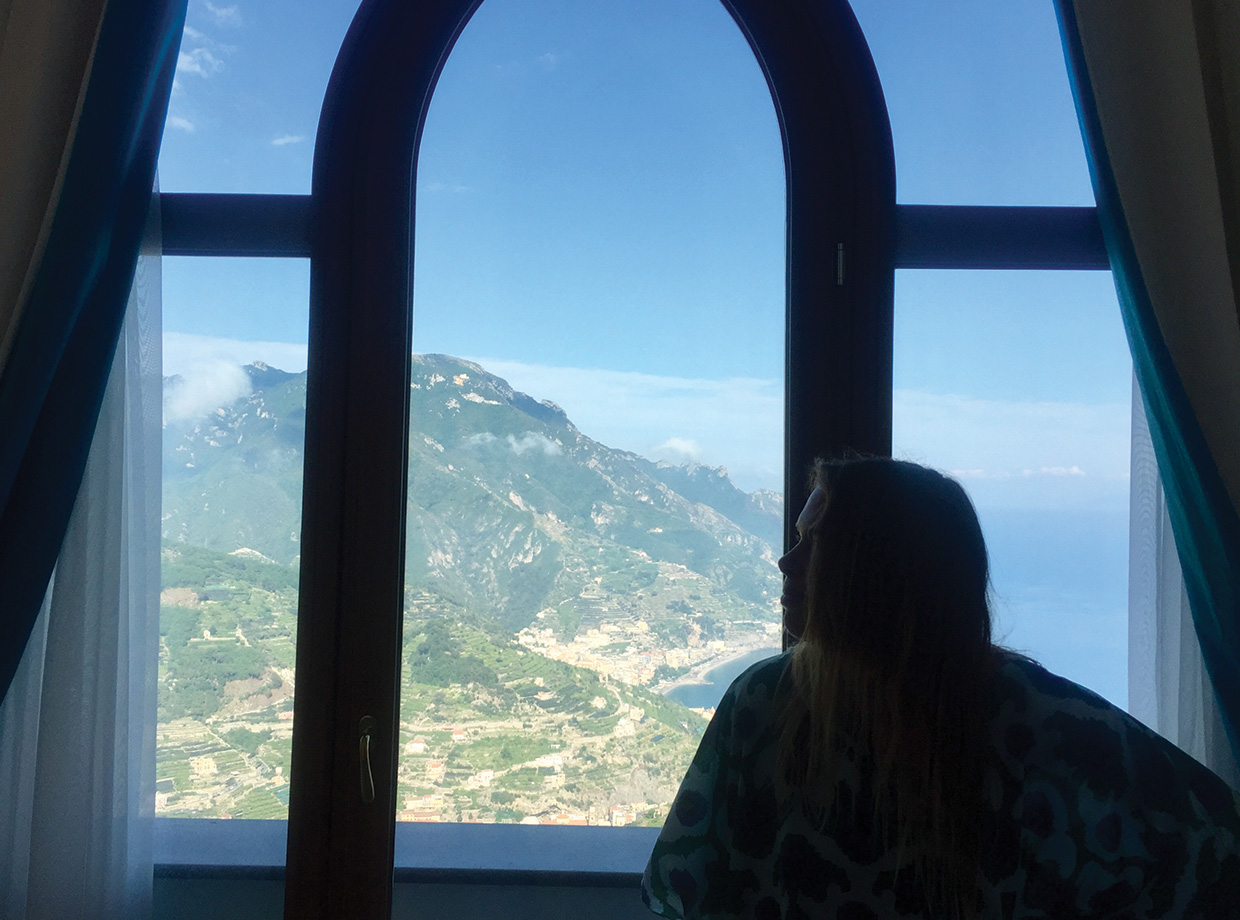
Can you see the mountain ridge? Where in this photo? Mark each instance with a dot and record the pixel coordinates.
(479, 449)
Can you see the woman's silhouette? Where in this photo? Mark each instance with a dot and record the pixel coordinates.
(896, 763)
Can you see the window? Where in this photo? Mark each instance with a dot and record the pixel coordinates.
(568, 565)
(1018, 381)
(1019, 384)
(844, 235)
(233, 432)
(239, 225)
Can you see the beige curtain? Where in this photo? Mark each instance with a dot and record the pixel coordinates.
(1166, 81)
(45, 55)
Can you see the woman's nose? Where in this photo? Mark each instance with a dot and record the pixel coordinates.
(791, 562)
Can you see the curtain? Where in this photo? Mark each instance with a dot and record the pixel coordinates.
(1158, 95)
(84, 90)
(1168, 687)
(77, 729)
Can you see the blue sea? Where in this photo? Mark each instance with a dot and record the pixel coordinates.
(1061, 592)
(707, 695)
(1060, 596)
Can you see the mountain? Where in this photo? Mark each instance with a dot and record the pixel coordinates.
(511, 509)
(555, 589)
(232, 476)
(760, 512)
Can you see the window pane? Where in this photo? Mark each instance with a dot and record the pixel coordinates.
(599, 317)
(247, 93)
(1018, 384)
(234, 426)
(981, 111)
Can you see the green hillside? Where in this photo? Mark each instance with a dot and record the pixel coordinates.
(553, 587)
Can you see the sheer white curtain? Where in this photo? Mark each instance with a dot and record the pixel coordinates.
(1168, 687)
(77, 729)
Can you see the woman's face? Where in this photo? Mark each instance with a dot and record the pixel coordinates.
(795, 563)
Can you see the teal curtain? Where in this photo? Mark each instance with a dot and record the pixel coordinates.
(52, 381)
(1157, 87)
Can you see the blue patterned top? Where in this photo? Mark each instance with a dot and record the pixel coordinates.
(1088, 814)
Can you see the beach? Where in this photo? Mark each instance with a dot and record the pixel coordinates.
(702, 687)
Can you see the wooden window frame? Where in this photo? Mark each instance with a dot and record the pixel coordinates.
(845, 237)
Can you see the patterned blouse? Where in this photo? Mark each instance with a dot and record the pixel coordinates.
(1089, 814)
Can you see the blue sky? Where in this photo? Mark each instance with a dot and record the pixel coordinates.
(600, 219)
(600, 187)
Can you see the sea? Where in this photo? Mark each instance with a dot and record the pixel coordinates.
(1060, 595)
(707, 695)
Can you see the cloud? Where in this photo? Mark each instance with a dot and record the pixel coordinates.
(181, 124)
(1054, 471)
(284, 139)
(194, 35)
(446, 187)
(202, 389)
(734, 422)
(1020, 454)
(198, 61)
(224, 15)
(677, 450)
(1076, 454)
(184, 352)
(1009, 454)
(549, 61)
(532, 440)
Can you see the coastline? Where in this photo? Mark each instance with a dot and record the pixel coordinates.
(697, 676)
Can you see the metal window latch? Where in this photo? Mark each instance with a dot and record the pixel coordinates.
(365, 730)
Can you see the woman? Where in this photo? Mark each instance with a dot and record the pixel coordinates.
(896, 763)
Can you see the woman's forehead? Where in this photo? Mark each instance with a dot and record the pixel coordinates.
(813, 507)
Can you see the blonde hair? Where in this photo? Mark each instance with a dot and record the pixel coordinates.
(894, 669)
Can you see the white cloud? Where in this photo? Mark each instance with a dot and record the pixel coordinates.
(549, 61)
(202, 388)
(181, 124)
(1008, 454)
(677, 450)
(446, 187)
(972, 474)
(224, 15)
(734, 422)
(532, 440)
(1020, 454)
(184, 352)
(1054, 471)
(194, 35)
(198, 61)
(284, 139)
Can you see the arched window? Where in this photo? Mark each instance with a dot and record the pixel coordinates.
(845, 237)
(840, 234)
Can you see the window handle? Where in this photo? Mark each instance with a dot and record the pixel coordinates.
(367, 727)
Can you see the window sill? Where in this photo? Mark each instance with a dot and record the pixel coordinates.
(511, 854)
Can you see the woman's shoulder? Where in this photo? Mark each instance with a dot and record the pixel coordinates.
(767, 674)
(1057, 727)
(1110, 804)
(1031, 688)
(751, 706)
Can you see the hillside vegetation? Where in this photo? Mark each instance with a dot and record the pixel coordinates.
(553, 587)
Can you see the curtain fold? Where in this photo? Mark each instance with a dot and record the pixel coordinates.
(1168, 686)
(77, 729)
(60, 333)
(1158, 95)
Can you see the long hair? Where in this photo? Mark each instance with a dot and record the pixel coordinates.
(895, 667)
